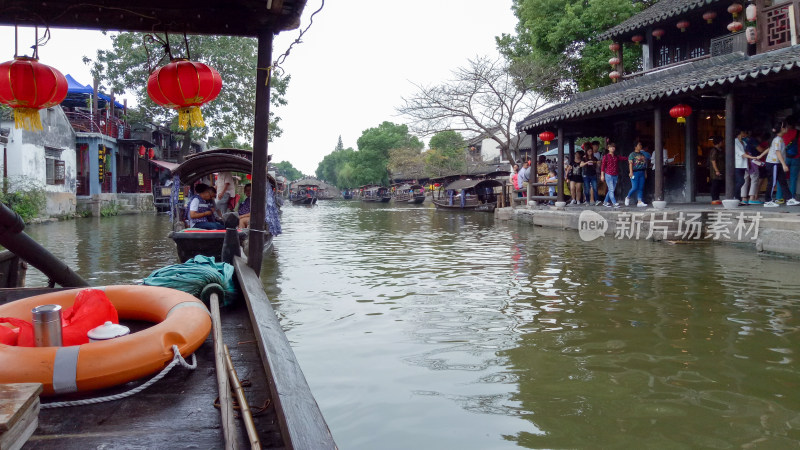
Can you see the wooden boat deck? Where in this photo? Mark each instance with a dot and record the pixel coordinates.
(176, 412)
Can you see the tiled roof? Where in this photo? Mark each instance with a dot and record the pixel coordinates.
(661, 11)
(717, 71)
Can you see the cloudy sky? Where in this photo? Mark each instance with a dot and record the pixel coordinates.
(352, 69)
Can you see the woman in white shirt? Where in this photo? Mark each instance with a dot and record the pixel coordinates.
(776, 166)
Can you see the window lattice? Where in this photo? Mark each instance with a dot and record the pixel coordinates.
(778, 26)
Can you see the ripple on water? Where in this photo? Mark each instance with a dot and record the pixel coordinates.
(425, 329)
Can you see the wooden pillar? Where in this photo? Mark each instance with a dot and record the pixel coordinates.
(260, 151)
(658, 153)
(571, 148)
(560, 164)
(730, 163)
(690, 157)
(533, 176)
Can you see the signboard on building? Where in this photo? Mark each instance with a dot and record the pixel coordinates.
(101, 160)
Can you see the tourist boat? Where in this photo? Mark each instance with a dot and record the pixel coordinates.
(191, 242)
(179, 408)
(305, 194)
(376, 194)
(409, 193)
(474, 195)
(347, 194)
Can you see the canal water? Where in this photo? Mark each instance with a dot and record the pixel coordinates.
(425, 329)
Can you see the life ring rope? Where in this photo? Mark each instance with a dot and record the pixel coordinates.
(176, 359)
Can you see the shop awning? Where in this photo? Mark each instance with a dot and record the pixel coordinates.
(164, 164)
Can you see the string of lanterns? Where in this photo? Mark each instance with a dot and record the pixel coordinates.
(751, 14)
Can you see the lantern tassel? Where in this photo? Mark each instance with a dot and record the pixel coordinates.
(681, 120)
(27, 119)
(190, 117)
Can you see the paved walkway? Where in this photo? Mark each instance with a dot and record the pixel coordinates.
(773, 230)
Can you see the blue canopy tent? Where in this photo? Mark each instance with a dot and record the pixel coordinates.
(77, 95)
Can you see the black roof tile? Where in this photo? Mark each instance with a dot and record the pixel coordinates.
(716, 71)
(661, 11)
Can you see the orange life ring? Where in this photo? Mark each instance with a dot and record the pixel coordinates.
(180, 318)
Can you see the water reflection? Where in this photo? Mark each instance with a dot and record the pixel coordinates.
(425, 329)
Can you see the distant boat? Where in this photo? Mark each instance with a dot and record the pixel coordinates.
(304, 195)
(378, 194)
(473, 195)
(409, 193)
(347, 194)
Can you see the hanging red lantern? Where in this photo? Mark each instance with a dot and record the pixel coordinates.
(546, 137)
(637, 38)
(681, 112)
(735, 9)
(142, 150)
(28, 86)
(185, 86)
(614, 61)
(151, 153)
(682, 25)
(614, 47)
(249, 177)
(709, 16)
(658, 32)
(614, 76)
(733, 27)
(751, 12)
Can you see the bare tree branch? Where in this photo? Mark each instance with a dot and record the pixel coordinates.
(486, 97)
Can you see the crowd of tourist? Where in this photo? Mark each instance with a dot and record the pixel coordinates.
(773, 156)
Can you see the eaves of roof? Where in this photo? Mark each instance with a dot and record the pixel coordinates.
(661, 11)
(727, 69)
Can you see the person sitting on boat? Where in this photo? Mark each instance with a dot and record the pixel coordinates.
(244, 209)
(201, 209)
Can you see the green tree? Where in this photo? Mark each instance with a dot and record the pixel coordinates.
(447, 154)
(230, 140)
(563, 34)
(125, 68)
(339, 145)
(372, 158)
(288, 170)
(406, 163)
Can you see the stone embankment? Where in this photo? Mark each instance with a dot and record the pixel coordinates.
(769, 230)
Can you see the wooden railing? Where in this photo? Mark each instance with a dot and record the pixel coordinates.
(777, 25)
(109, 126)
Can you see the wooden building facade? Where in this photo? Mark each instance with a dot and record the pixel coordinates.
(734, 73)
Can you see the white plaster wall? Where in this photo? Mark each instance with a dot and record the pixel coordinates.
(489, 150)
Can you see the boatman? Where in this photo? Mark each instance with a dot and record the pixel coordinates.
(201, 209)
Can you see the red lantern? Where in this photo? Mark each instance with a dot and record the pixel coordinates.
(733, 27)
(142, 150)
(614, 76)
(614, 47)
(151, 153)
(735, 9)
(682, 25)
(681, 112)
(636, 38)
(28, 86)
(249, 177)
(546, 137)
(185, 86)
(658, 32)
(709, 16)
(614, 61)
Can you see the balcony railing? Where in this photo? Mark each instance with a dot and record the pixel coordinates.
(729, 43)
(109, 126)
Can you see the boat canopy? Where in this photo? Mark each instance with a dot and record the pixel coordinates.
(205, 163)
(467, 184)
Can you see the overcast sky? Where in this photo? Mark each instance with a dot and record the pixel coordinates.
(350, 72)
